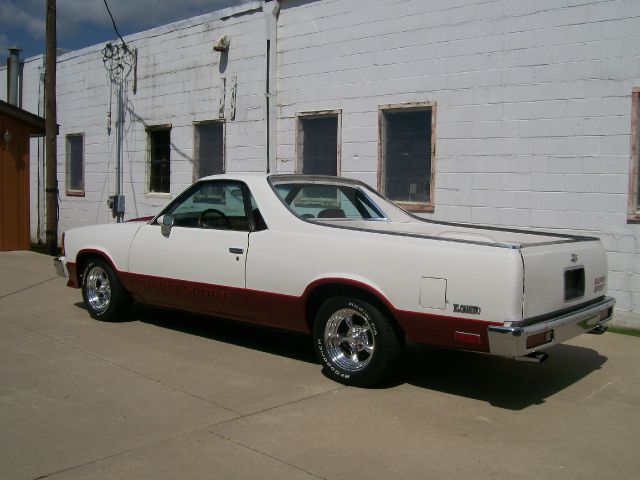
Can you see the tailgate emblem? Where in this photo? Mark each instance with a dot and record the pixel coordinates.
(470, 309)
(574, 258)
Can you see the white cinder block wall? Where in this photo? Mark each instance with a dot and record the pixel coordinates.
(533, 106)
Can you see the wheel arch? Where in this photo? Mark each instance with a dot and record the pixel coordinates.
(321, 290)
(83, 256)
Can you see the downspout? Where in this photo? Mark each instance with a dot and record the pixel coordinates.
(271, 10)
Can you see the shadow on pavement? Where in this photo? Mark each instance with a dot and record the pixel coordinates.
(293, 345)
(503, 383)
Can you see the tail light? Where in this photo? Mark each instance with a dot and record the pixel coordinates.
(538, 339)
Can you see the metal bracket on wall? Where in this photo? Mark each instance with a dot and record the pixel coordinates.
(222, 98)
(234, 91)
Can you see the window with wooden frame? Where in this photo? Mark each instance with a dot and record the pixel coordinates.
(208, 149)
(159, 159)
(633, 201)
(407, 154)
(318, 142)
(74, 181)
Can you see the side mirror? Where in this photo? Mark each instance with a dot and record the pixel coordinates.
(166, 222)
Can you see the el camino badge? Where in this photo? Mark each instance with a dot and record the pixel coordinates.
(470, 309)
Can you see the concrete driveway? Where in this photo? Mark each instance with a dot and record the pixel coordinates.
(169, 395)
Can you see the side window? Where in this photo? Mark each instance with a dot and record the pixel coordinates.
(327, 201)
(406, 175)
(258, 221)
(209, 149)
(159, 160)
(217, 205)
(75, 165)
(318, 143)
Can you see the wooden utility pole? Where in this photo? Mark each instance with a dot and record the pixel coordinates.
(51, 132)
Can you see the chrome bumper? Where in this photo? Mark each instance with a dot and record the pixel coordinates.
(511, 341)
(60, 264)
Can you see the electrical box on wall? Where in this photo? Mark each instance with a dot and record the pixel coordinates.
(116, 204)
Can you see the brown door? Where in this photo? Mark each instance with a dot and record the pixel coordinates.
(14, 186)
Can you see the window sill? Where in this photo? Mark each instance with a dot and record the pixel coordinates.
(633, 218)
(74, 193)
(157, 195)
(416, 207)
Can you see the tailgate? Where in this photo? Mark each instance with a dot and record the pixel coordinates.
(562, 275)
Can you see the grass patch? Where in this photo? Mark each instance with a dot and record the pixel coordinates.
(634, 332)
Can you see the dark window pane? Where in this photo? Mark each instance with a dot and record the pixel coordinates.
(209, 149)
(407, 155)
(320, 145)
(160, 161)
(75, 163)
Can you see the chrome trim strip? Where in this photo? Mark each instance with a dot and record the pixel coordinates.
(510, 341)
(60, 264)
(559, 313)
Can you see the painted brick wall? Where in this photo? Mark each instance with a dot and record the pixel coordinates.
(533, 105)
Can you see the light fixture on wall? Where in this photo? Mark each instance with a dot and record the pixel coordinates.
(6, 139)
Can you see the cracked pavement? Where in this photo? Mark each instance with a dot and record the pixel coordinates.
(166, 394)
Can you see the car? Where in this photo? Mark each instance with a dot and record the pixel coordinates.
(332, 257)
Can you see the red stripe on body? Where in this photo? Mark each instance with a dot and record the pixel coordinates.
(197, 297)
(288, 311)
(441, 330)
(140, 219)
(73, 276)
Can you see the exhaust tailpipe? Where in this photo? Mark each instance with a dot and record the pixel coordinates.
(599, 330)
(534, 357)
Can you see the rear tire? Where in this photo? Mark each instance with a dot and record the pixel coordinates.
(103, 293)
(355, 342)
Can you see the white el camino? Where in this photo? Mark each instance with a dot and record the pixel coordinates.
(332, 257)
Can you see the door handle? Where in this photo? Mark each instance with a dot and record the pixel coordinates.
(236, 251)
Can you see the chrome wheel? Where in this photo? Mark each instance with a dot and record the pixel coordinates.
(349, 340)
(98, 289)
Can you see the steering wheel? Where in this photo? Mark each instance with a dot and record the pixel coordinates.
(219, 219)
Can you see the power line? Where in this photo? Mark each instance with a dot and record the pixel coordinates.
(114, 25)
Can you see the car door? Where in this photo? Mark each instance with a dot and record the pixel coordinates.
(196, 261)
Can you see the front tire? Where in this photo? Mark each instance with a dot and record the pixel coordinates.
(102, 292)
(355, 342)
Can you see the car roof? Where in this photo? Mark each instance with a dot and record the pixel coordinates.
(282, 177)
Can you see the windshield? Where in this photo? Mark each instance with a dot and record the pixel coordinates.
(322, 201)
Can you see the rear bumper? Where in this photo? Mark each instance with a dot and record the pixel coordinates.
(60, 264)
(511, 341)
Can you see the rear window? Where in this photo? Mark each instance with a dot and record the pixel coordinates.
(323, 201)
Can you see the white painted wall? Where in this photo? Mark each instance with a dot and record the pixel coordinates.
(533, 106)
